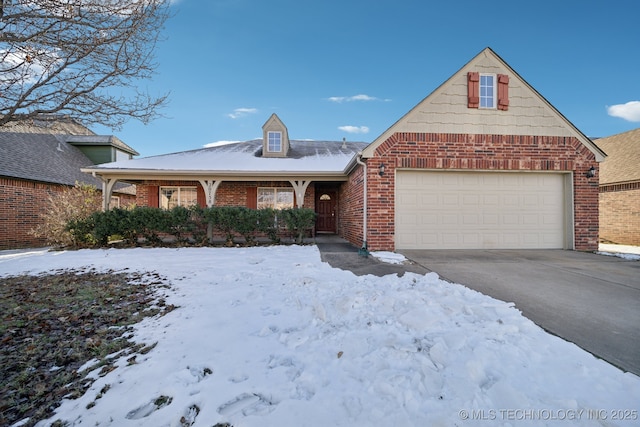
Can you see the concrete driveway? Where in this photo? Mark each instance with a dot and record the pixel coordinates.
(590, 300)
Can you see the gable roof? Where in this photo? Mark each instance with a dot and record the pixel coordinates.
(43, 157)
(445, 110)
(242, 159)
(623, 157)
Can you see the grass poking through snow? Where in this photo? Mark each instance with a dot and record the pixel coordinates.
(51, 325)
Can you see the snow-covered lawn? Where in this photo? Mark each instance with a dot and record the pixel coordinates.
(274, 337)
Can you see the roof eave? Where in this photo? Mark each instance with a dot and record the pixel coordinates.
(143, 174)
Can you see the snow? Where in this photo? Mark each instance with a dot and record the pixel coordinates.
(627, 252)
(315, 156)
(275, 337)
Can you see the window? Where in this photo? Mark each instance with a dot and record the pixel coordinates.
(274, 143)
(114, 202)
(276, 198)
(170, 197)
(487, 91)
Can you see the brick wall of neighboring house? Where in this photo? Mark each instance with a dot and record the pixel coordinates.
(620, 213)
(480, 152)
(22, 203)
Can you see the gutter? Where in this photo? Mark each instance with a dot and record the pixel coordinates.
(363, 251)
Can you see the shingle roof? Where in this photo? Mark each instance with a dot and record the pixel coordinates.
(43, 157)
(48, 124)
(303, 157)
(623, 161)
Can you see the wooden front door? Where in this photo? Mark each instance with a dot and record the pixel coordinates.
(326, 212)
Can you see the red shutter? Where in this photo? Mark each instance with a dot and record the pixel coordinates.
(202, 198)
(473, 89)
(503, 92)
(153, 196)
(252, 197)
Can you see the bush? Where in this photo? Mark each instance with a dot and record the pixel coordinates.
(190, 224)
(72, 205)
(298, 221)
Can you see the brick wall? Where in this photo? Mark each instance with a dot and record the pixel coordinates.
(21, 204)
(351, 206)
(480, 152)
(620, 213)
(229, 193)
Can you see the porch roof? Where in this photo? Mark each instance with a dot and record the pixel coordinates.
(241, 159)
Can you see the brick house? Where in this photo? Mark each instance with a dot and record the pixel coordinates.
(40, 158)
(482, 162)
(620, 188)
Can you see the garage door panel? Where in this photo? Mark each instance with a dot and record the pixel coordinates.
(458, 210)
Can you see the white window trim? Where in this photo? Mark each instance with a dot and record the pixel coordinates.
(179, 188)
(494, 94)
(269, 140)
(275, 196)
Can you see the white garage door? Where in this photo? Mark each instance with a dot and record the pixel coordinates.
(479, 210)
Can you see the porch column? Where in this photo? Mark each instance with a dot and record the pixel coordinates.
(210, 187)
(300, 188)
(107, 190)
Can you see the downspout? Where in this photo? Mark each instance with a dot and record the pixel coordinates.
(364, 251)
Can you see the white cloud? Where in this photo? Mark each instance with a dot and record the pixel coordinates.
(241, 112)
(219, 143)
(629, 111)
(354, 129)
(361, 97)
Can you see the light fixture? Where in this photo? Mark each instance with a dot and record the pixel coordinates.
(591, 172)
(381, 169)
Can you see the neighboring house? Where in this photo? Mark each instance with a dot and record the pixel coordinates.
(620, 188)
(483, 162)
(39, 159)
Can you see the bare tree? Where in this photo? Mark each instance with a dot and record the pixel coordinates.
(82, 58)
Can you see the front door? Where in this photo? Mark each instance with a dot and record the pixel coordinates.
(326, 212)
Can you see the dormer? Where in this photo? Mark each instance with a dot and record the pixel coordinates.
(275, 138)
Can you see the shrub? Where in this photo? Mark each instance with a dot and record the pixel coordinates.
(71, 205)
(298, 221)
(246, 224)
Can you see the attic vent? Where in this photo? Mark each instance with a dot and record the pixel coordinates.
(344, 143)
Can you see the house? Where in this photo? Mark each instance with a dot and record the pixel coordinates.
(484, 161)
(620, 188)
(40, 158)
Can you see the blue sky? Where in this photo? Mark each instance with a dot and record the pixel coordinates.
(351, 68)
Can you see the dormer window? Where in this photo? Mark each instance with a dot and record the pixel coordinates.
(275, 138)
(274, 142)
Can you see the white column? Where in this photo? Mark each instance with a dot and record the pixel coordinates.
(300, 188)
(107, 190)
(210, 187)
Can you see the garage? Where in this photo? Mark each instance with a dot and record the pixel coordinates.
(481, 210)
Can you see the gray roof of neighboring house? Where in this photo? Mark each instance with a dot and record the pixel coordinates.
(623, 161)
(246, 157)
(43, 157)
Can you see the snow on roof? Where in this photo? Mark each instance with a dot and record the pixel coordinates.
(303, 156)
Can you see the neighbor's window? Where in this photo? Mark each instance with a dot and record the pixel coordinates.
(274, 142)
(487, 91)
(276, 198)
(114, 202)
(170, 197)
